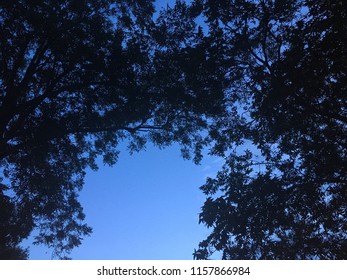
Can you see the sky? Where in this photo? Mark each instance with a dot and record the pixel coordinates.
(145, 207)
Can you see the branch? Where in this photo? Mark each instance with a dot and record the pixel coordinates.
(9, 104)
(20, 57)
(33, 64)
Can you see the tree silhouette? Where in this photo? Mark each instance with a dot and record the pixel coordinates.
(77, 77)
(285, 197)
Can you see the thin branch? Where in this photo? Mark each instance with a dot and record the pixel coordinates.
(30, 71)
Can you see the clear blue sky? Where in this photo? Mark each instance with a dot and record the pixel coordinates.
(145, 207)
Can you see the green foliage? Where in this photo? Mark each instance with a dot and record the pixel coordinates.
(287, 101)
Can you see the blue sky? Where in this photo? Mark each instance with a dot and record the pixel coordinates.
(144, 207)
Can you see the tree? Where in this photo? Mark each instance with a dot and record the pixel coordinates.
(77, 77)
(11, 231)
(285, 197)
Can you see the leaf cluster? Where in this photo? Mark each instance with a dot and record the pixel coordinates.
(286, 198)
(77, 78)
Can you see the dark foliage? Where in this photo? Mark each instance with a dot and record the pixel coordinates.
(12, 230)
(285, 197)
(77, 77)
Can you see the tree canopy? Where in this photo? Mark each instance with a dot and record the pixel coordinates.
(77, 77)
(282, 191)
(262, 83)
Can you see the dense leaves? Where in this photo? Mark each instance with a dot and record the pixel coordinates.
(12, 229)
(286, 197)
(78, 77)
(265, 81)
